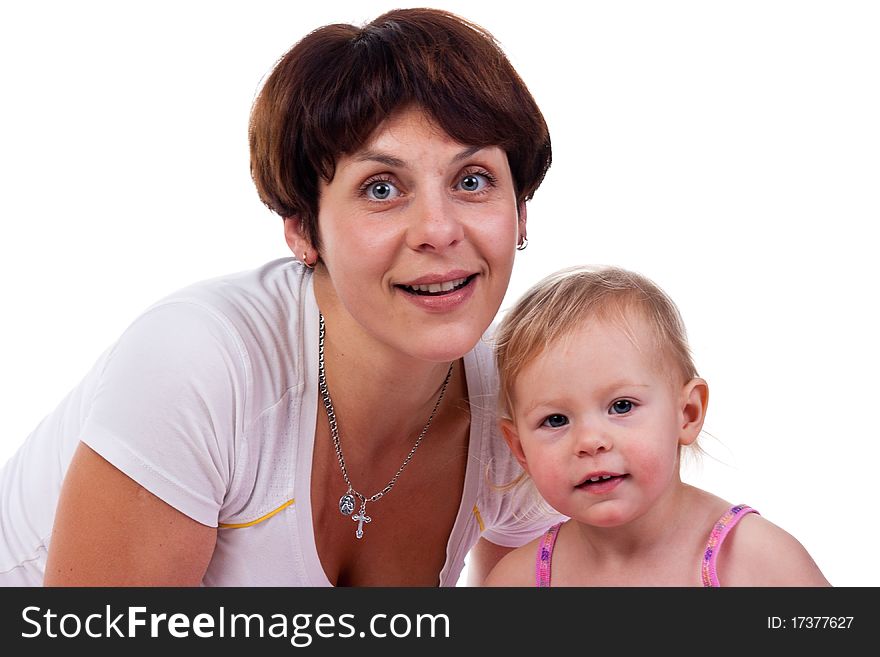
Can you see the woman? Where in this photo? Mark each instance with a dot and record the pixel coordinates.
(324, 420)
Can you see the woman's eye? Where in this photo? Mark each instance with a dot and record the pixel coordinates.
(381, 190)
(621, 407)
(555, 421)
(473, 182)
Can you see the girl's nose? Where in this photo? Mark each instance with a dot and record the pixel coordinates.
(591, 440)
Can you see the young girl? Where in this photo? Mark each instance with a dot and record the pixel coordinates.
(598, 397)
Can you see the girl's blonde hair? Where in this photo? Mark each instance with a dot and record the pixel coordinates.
(565, 300)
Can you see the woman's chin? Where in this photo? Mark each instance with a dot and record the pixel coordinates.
(446, 346)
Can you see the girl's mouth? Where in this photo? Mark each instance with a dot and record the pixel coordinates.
(601, 482)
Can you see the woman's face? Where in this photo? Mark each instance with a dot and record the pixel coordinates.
(418, 236)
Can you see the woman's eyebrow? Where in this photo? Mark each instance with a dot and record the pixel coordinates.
(467, 152)
(382, 158)
(392, 161)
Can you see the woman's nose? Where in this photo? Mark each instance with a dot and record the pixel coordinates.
(435, 222)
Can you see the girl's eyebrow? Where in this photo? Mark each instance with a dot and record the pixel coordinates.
(392, 161)
(623, 383)
(604, 391)
(535, 404)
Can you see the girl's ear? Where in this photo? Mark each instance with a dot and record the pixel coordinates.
(299, 244)
(511, 437)
(694, 400)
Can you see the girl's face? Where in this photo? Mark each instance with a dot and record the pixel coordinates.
(418, 237)
(597, 423)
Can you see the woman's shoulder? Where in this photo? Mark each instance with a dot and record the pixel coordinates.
(261, 310)
(276, 286)
(243, 330)
(482, 390)
(482, 358)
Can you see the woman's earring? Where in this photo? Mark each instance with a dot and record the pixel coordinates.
(523, 243)
(305, 261)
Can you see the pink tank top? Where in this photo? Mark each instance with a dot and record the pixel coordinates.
(720, 530)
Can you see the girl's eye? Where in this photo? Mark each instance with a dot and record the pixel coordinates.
(554, 421)
(381, 190)
(621, 407)
(474, 182)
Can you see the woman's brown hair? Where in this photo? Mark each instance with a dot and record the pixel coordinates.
(328, 93)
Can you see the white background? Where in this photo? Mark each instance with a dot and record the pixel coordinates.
(730, 151)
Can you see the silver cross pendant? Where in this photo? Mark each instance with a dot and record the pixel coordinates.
(360, 519)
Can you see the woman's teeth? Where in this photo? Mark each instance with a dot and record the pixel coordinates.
(437, 288)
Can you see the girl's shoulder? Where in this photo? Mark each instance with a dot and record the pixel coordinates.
(760, 553)
(516, 568)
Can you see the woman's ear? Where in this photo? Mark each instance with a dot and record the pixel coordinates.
(522, 216)
(511, 437)
(298, 242)
(694, 400)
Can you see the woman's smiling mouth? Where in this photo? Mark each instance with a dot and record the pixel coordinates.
(435, 289)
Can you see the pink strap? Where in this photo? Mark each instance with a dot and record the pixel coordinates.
(545, 556)
(719, 532)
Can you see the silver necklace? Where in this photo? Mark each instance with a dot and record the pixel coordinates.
(347, 501)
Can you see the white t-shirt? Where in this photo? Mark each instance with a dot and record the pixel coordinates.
(209, 400)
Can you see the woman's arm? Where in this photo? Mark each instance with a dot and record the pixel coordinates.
(110, 531)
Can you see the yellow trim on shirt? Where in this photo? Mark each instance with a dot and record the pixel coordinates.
(479, 519)
(223, 525)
